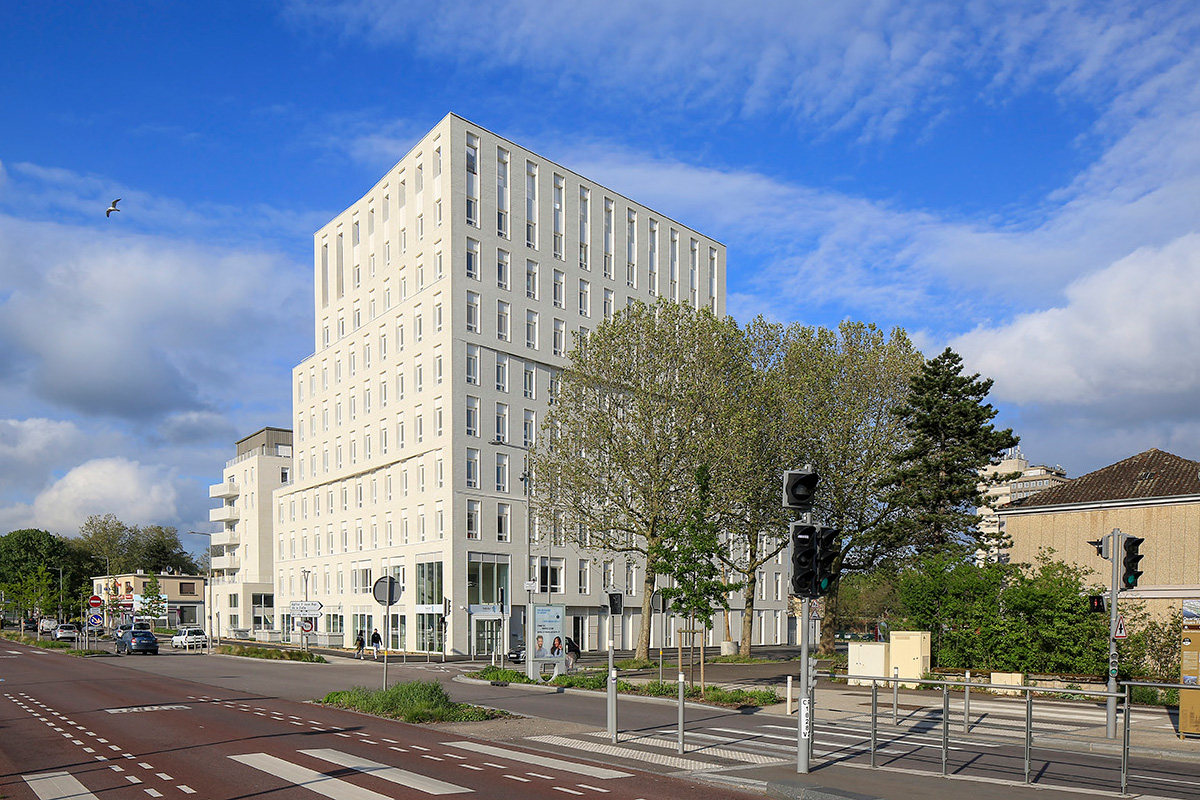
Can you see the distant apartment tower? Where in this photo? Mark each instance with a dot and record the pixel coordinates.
(243, 573)
(1021, 479)
(445, 302)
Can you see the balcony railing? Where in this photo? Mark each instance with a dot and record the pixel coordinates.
(224, 514)
(225, 489)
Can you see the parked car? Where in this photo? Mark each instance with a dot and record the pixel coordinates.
(65, 631)
(29, 626)
(47, 624)
(132, 641)
(189, 637)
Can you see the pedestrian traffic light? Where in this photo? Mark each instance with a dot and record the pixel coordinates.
(1129, 577)
(799, 485)
(1096, 603)
(615, 603)
(827, 553)
(804, 558)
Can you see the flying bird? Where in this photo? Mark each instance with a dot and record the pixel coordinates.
(112, 208)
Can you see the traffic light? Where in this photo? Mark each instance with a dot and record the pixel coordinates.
(616, 602)
(799, 485)
(1129, 577)
(1096, 603)
(804, 558)
(827, 553)
(814, 551)
(1114, 664)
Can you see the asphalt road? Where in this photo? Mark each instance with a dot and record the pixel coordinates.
(120, 728)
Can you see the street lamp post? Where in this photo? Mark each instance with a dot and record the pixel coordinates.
(60, 585)
(209, 601)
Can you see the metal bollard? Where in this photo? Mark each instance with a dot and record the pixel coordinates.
(1125, 744)
(681, 713)
(945, 726)
(896, 696)
(1028, 730)
(788, 709)
(874, 715)
(967, 704)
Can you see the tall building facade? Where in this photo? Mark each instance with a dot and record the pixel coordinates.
(1011, 478)
(241, 551)
(445, 302)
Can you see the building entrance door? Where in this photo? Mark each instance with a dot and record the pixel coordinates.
(488, 633)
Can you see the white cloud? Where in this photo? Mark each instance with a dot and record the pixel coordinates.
(30, 447)
(138, 494)
(1130, 330)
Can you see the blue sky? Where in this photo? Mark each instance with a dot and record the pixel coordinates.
(1020, 183)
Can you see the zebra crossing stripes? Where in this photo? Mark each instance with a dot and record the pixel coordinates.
(403, 777)
(602, 773)
(325, 785)
(58, 786)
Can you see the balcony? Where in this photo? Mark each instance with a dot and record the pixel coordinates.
(223, 514)
(227, 561)
(223, 490)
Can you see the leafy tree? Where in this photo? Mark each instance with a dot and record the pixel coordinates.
(34, 592)
(697, 587)
(634, 415)
(842, 388)
(936, 479)
(153, 605)
(753, 449)
(109, 541)
(155, 548)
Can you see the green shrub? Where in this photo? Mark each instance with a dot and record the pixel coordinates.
(633, 663)
(414, 701)
(737, 658)
(494, 673)
(741, 697)
(270, 653)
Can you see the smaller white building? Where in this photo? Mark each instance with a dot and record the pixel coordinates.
(242, 565)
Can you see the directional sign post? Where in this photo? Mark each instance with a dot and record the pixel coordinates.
(306, 608)
(387, 591)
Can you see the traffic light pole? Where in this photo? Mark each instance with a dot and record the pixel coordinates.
(1110, 702)
(804, 712)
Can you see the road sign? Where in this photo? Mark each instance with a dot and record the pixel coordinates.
(531, 586)
(387, 590)
(94, 601)
(307, 625)
(94, 619)
(1120, 633)
(306, 608)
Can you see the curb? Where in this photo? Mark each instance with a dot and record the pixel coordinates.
(790, 791)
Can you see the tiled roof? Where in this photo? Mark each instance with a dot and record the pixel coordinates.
(1151, 474)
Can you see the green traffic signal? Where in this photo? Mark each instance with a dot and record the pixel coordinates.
(1129, 578)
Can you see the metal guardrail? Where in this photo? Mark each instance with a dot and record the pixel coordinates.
(1028, 691)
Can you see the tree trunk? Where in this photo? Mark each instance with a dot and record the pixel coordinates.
(642, 652)
(748, 613)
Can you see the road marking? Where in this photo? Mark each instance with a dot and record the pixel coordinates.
(58, 786)
(593, 788)
(706, 750)
(186, 789)
(568, 791)
(388, 773)
(540, 761)
(623, 752)
(139, 709)
(154, 793)
(518, 778)
(539, 775)
(325, 785)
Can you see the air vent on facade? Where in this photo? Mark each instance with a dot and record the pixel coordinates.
(1145, 476)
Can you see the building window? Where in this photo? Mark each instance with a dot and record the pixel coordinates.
(501, 372)
(608, 238)
(530, 384)
(531, 280)
(472, 416)
(531, 207)
(608, 303)
(558, 216)
(502, 321)
(631, 249)
(473, 519)
(585, 298)
(503, 522)
(559, 292)
(472, 366)
(472, 312)
(652, 284)
(585, 572)
(502, 472)
(529, 429)
(501, 422)
(549, 574)
(472, 259)
(531, 329)
(560, 337)
(472, 180)
(584, 226)
(502, 193)
(472, 468)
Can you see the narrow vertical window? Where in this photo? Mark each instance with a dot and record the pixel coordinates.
(502, 193)
(558, 216)
(608, 238)
(584, 227)
(652, 284)
(531, 280)
(631, 249)
(472, 181)
(472, 259)
(531, 206)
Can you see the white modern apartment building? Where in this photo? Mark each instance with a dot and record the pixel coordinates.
(445, 302)
(242, 564)
(1011, 478)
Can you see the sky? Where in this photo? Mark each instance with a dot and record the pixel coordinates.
(1018, 181)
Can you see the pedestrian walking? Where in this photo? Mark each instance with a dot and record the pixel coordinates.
(359, 644)
(376, 643)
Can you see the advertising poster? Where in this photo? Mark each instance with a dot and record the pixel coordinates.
(549, 640)
(1189, 699)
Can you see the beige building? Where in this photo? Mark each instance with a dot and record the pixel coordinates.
(445, 303)
(242, 550)
(1154, 495)
(1011, 478)
(124, 597)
